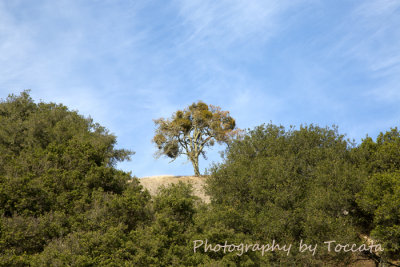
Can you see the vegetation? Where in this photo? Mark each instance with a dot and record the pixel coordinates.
(63, 202)
(380, 197)
(60, 195)
(290, 186)
(190, 131)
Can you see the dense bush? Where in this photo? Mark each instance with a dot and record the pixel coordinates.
(290, 186)
(380, 198)
(63, 202)
(58, 187)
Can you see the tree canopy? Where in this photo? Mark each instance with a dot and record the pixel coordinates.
(380, 197)
(288, 186)
(190, 131)
(63, 202)
(58, 184)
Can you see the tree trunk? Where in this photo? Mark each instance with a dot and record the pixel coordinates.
(195, 163)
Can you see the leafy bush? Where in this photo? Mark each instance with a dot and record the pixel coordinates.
(63, 202)
(58, 187)
(290, 186)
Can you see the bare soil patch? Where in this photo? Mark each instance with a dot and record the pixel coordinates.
(152, 184)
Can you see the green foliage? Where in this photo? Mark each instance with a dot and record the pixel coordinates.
(63, 202)
(287, 186)
(58, 186)
(49, 153)
(167, 240)
(89, 248)
(190, 131)
(179, 219)
(380, 199)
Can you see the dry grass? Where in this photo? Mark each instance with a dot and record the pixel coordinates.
(152, 184)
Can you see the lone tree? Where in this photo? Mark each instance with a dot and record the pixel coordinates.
(191, 130)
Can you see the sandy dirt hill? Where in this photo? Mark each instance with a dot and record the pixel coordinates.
(152, 183)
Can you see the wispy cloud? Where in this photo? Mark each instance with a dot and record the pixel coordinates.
(221, 23)
(220, 38)
(378, 33)
(128, 62)
(370, 38)
(65, 52)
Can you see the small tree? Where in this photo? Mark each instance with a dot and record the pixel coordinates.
(191, 130)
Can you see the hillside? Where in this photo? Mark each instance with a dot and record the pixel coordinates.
(152, 183)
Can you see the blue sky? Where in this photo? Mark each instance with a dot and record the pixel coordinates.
(125, 63)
